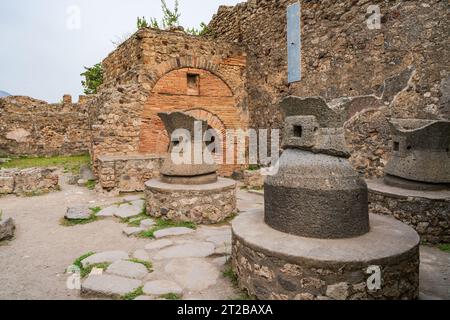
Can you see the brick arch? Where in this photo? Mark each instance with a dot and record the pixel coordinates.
(213, 102)
(185, 62)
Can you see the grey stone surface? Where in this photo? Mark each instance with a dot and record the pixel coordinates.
(317, 196)
(86, 173)
(193, 274)
(161, 287)
(387, 239)
(428, 212)
(220, 240)
(141, 255)
(420, 150)
(107, 256)
(311, 125)
(158, 244)
(109, 286)
(188, 249)
(131, 209)
(147, 223)
(7, 229)
(204, 172)
(316, 192)
(171, 232)
(275, 265)
(107, 212)
(78, 213)
(128, 269)
(131, 231)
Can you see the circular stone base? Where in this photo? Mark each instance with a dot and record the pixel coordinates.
(202, 204)
(274, 265)
(428, 212)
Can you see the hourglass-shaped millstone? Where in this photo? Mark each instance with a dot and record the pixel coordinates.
(316, 192)
(180, 167)
(420, 151)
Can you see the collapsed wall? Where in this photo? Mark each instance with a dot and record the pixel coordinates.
(401, 70)
(30, 127)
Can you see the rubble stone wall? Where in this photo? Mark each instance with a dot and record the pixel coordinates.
(28, 182)
(30, 127)
(401, 70)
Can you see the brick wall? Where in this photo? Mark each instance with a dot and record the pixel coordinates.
(149, 74)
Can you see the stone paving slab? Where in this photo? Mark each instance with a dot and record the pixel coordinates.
(109, 286)
(193, 274)
(107, 256)
(141, 255)
(147, 223)
(171, 232)
(78, 213)
(132, 231)
(194, 249)
(158, 244)
(128, 269)
(161, 287)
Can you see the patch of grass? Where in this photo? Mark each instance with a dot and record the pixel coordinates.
(254, 167)
(71, 223)
(445, 247)
(135, 221)
(165, 224)
(96, 210)
(146, 264)
(171, 296)
(69, 163)
(86, 271)
(230, 275)
(91, 184)
(133, 295)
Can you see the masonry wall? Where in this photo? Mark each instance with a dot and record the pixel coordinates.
(148, 74)
(30, 127)
(401, 70)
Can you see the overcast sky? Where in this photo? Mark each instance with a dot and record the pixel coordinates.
(43, 51)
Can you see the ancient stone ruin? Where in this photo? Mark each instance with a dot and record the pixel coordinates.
(416, 188)
(314, 240)
(189, 191)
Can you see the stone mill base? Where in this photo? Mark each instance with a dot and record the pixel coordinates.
(201, 204)
(272, 265)
(428, 212)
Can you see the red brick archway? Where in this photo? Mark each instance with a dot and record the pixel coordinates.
(198, 92)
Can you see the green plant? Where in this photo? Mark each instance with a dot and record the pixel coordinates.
(165, 224)
(146, 264)
(171, 296)
(69, 163)
(198, 32)
(91, 184)
(230, 275)
(78, 261)
(85, 271)
(445, 247)
(141, 23)
(70, 223)
(93, 78)
(133, 295)
(171, 18)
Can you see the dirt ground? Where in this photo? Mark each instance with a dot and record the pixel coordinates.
(32, 265)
